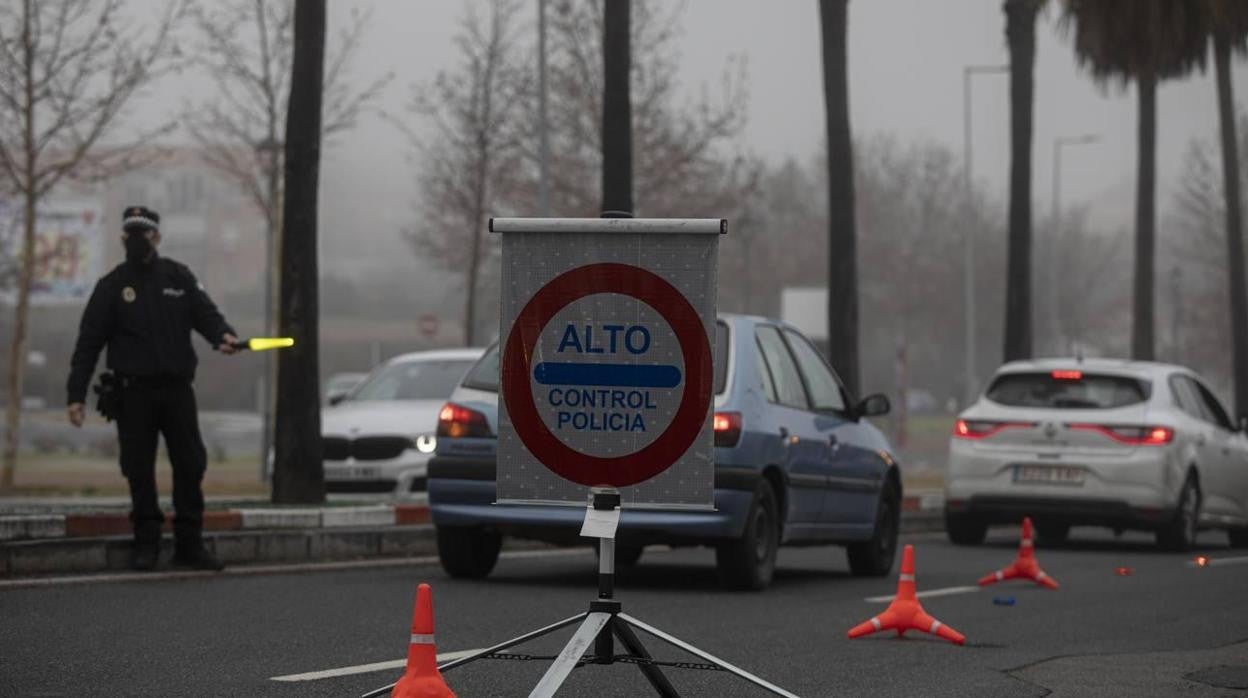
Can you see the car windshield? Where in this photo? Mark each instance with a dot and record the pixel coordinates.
(413, 380)
(484, 376)
(1071, 390)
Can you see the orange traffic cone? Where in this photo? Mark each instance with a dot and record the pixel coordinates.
(422, 678)
(905, 612)
(1024, 566)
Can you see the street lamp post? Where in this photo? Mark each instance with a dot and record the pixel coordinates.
(270, 147)
(543, 127)
(1055, 241)
(968, 246)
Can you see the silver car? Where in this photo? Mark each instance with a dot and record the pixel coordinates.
(380, 437)
(1122, 444)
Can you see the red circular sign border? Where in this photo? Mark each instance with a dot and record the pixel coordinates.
(516, 368)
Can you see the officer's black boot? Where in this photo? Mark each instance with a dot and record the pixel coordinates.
(194, 555)
(144, 555)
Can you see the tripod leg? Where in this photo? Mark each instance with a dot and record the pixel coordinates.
(385, 690)
(571, 654)
(677, 642)
(653, 674)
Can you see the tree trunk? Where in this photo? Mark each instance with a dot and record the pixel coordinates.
(26, 272)
(1234, 225)
(617, 109)
(299, 475)
(17, 349)
(842, 237)
(474, 257)
(1145, 207)
(1020, 32)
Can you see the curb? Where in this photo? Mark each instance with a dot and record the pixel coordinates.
(112, 553)
(18, 527)
(42, 544)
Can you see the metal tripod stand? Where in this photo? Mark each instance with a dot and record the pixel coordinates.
(600, 626)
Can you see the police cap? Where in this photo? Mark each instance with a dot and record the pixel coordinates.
(139, 218)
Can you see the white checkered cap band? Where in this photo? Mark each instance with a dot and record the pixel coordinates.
(139, 220)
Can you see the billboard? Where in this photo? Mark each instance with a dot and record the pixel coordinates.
(69, 249)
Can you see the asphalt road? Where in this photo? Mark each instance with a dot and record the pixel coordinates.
(1101, 634)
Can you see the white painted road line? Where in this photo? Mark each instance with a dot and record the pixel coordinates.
(1218, 561)
(367, 668)
(948, 591)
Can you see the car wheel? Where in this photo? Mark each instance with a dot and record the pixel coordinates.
(749, 561)
(1238, 536)
(965, 530)
(1180, 534)
(468, 552)
(1052, 533)
(874, 558)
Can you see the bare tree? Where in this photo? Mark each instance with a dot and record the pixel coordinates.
(1198, 246)
(247, 46)
(471, 151)
(686, 160)
(68, 68)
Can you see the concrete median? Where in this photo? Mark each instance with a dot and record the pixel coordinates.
(99, 541)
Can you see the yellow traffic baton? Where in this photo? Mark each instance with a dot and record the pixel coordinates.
(265, 343)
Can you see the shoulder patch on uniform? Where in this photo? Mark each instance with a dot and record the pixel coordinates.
(128, 295)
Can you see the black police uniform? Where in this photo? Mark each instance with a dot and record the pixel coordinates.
(144, 313)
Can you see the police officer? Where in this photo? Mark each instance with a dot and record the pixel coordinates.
(144, 311)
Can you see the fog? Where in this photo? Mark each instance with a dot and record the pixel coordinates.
(906, 59)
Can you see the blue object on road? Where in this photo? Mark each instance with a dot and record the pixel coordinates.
(1003, 600)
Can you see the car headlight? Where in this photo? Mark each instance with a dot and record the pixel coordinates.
(426, 443)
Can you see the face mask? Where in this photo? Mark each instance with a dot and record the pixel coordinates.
(138, 248)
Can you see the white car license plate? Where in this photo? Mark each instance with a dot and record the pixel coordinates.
(352, 473)
(1049, 474)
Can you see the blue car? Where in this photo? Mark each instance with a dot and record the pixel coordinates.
(796, 463)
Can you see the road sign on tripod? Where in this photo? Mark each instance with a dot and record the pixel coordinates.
(606, 378)
(607, 366)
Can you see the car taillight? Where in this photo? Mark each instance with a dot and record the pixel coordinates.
(983, 428)
(1067, 375)
(727, 429)
(1131, 435)
(457, 422)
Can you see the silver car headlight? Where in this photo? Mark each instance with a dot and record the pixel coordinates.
(426, 443)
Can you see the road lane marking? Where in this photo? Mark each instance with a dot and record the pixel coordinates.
(948, 591)
(1218, 561)
(250, 570)
(366, 668)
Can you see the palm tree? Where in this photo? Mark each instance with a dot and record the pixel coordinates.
(1228, 25)
(1145, 41)
(617, 111)
(298, 476)
(842, 237)
(1020, 32)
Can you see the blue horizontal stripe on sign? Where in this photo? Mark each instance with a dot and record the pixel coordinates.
(607, 375)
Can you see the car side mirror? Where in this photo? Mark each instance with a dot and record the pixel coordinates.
(876, 405)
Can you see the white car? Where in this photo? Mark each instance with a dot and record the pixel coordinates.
(1122, 444)
(380, 437)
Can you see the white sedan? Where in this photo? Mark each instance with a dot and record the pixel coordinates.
(1122, 444)
(380, 437)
